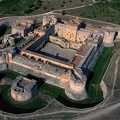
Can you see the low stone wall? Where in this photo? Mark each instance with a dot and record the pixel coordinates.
(64, 43)
(60, 41)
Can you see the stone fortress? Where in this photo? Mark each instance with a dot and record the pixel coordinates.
(23, 88)
(63, 53)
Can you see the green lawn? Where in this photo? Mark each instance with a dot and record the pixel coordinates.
(94, 90)
(9, 74)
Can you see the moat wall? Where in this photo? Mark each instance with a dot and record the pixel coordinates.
(23, 70)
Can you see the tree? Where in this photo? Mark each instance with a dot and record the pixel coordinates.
(63, 12)
(39, 2)
(61, 5)
(30, 5)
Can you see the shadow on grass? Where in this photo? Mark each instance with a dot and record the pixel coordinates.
(90, 77)
(2, 76)
(7, 107)
(67, 103)
(3, 29)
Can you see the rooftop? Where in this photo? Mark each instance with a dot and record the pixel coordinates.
(83, 49)
(24, 83)
(21, 83)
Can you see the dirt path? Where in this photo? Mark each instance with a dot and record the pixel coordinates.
(98, 113)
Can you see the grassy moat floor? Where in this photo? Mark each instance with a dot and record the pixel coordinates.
(50, 92)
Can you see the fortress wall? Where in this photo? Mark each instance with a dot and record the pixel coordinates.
(59, 41)
(27, 62)
(23, 70)
(47, 70)
(45, 20)
(108, 39)
(90, 57)
(48, 59)
(75, 46)
(70, 32)
(21, 96)
(3, 65)
(37, 43)
(12, 41)
(34, 89)
(27, 70)
(64, 43)
(118, 35)
(25, 21)
(60, 29)
(77, 86)
(81, 63)
(22, 32)
(82, 36)
(39, 33)
(49, 32)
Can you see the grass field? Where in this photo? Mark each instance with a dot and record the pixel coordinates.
(22, 7)
(8, 74)
(94, 89)
(102, 12)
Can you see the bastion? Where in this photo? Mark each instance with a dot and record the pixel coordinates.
(23, 89)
